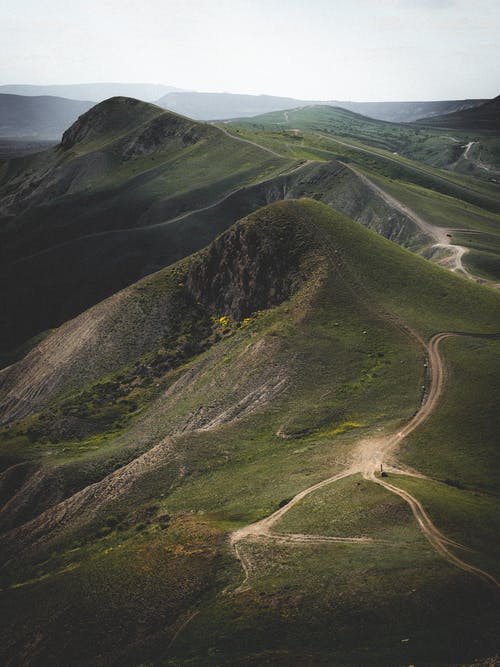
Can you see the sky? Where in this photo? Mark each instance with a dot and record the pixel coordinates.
(363, 50)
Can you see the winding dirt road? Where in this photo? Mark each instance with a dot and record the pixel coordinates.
(440, 235)
(368, 457)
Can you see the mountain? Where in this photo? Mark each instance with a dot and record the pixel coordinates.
(485, 117)
(222, 106)
(95, 92)
(120, 169)
(38, 117)
(191, 468)
(132, 188)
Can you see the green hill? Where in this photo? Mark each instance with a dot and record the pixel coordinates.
(124, 165)
(206, 396)
(426, 141)
(458, 205)
(131, 189)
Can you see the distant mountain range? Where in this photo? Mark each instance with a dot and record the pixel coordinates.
(44, 112)
(38, 117)
(95, 92)
(223, 106)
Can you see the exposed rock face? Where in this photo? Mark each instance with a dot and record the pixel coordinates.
(251, 267)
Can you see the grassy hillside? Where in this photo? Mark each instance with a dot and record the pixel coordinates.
(439, 147)
(132, 188)
(467, 206)
(205, 397)
(88, 208)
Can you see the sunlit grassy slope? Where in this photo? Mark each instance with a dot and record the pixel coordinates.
(263, 360)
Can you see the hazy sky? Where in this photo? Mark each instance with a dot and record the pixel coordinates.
(310, 49)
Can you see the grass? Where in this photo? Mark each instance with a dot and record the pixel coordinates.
(433, 147)
(348, 371)
(116, 593)
(341, 604)
(351, 507)
(467, 516)
(98, 191)
(470, 226)
(483, 264)
(459, 442)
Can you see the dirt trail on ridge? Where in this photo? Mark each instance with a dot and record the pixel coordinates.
(368, 457)
(440, 235)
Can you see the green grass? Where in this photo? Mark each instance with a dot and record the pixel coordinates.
(349, 371)
(483, 264)
(469, 517)
(123, 590)
(94, 189)
(351, 507)
(459, 442)
(341, 604)
(434, 147)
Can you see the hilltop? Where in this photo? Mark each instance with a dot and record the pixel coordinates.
(148, 431)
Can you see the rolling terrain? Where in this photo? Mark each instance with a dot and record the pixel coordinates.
(131, 189)
(459, 211)
(88, 207)
(421, 142)
(191, 468)
(220, 106)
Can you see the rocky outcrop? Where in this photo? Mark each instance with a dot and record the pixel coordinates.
(255, 265)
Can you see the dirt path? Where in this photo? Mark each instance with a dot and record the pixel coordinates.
(252, 143)
(440, 235)
(433, 535)
(468, 148)
(368, 457)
